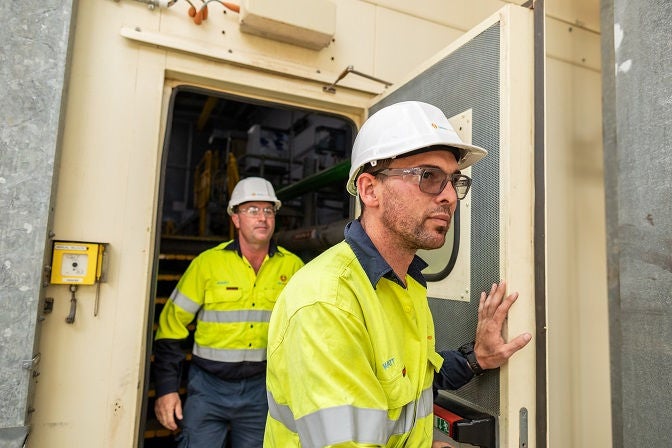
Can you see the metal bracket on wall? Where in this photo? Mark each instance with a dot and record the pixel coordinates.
(350, 69)
(31, 364)
(523, 442)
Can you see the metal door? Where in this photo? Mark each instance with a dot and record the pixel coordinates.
(488, 73)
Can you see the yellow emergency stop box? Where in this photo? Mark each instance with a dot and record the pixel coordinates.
(75, 262)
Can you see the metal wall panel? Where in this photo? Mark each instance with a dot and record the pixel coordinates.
(34, 44)
(637, 114)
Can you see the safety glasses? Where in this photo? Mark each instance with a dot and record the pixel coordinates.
(253, 210)
(432, 180)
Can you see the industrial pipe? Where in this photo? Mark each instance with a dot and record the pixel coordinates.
(313, 238)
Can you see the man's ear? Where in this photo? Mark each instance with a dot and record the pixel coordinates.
(366, 187)
(236, 220)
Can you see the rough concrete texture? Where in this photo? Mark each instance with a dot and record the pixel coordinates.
(637, 111)
(34, 43)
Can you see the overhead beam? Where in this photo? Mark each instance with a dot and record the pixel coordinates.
(210, 104)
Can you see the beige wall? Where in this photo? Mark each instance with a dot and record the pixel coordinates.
(87, 389)
(90, 387)
(578, 339)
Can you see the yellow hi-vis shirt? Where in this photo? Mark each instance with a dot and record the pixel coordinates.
(232, 304)
(350, 365)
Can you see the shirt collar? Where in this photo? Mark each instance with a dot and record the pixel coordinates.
(235, 245)
(373, 263)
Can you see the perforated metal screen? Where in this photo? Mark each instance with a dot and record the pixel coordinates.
(468, 78)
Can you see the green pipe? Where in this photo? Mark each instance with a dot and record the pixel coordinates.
(336, 173)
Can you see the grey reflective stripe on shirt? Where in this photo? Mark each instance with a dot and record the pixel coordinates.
(235, 316)
(349, 423)
(192, 307)
(184, 302)
(226, 355)
(426, 403)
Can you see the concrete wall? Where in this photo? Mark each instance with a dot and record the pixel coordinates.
(34, 44)
(637, 51)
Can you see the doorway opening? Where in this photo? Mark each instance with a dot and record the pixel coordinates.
(212, 140)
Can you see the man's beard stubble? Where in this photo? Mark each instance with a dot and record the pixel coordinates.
(411, 231)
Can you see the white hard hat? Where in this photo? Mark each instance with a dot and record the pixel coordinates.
(252, 189)
(403, 128)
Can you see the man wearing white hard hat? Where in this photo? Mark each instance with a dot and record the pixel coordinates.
(230, 290)
(351, 354)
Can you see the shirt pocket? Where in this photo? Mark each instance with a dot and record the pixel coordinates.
(435, 360)
(398, 390)
(270, 294)
(221, 296)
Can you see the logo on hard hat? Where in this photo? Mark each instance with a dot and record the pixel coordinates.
(436, 126)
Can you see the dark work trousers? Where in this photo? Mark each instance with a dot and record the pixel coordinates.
(216, 409)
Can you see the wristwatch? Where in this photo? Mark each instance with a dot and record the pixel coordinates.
(467, 350)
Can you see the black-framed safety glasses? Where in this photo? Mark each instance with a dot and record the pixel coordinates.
(432, 180)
